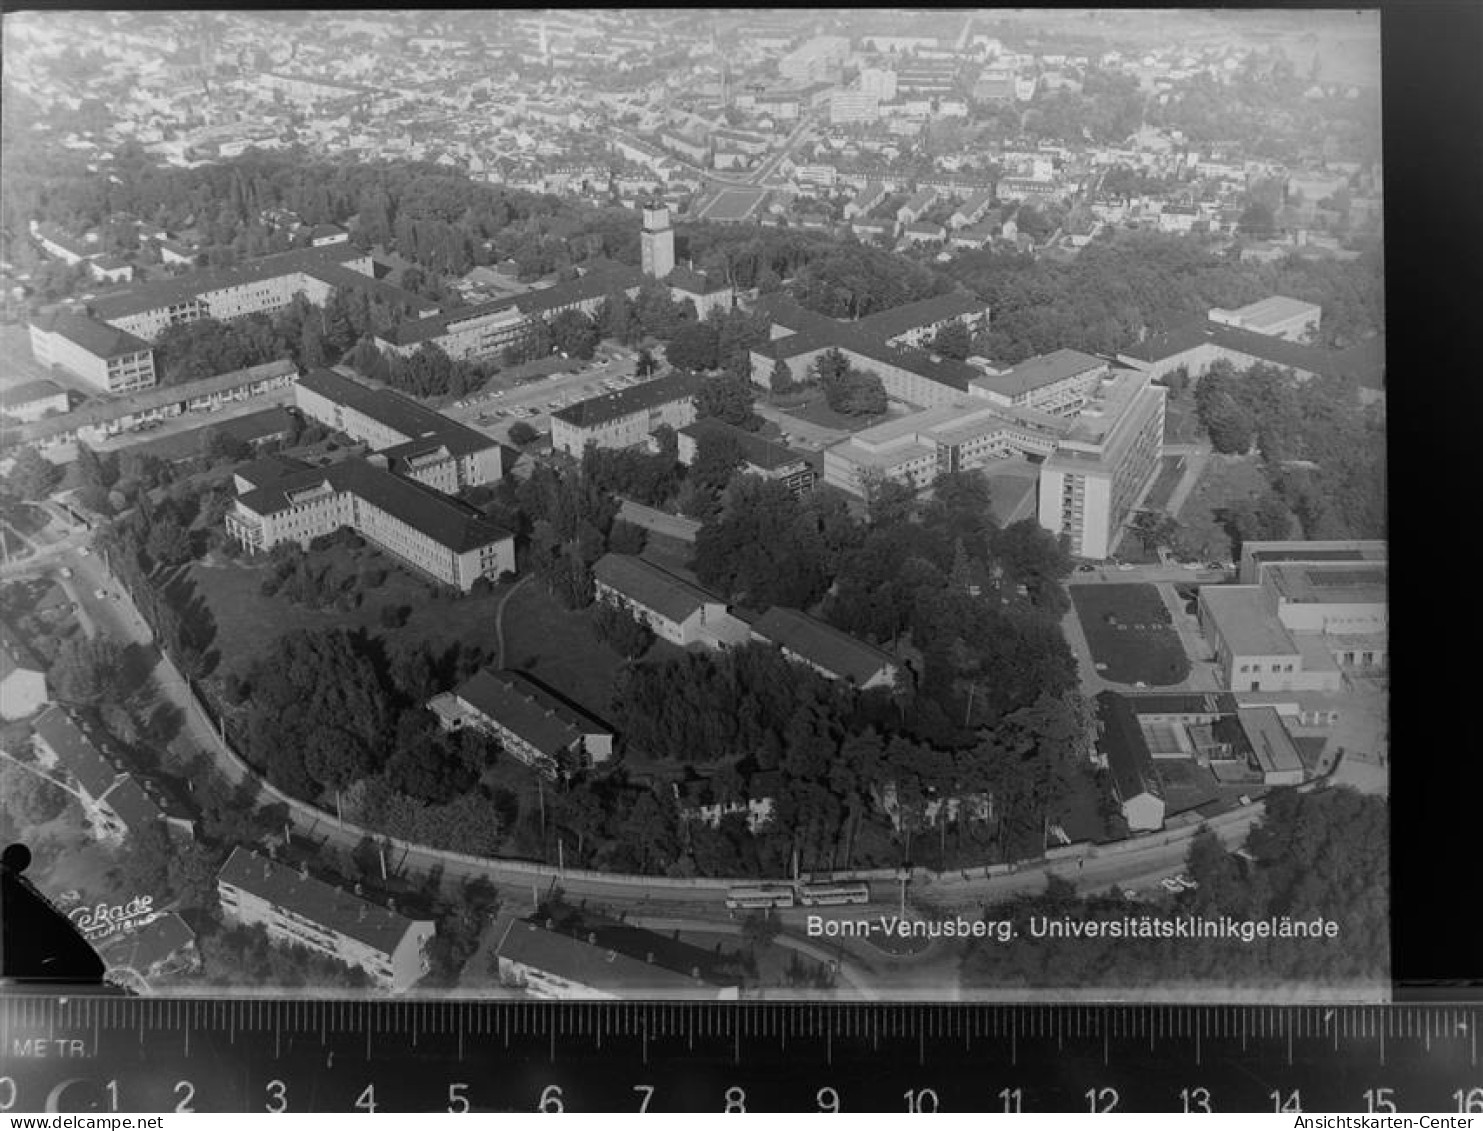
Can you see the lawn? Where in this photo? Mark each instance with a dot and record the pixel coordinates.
(248, 622)
(815, 409)
(1181, 422)
(1130, 634)
(1225, 480)
(557, 647)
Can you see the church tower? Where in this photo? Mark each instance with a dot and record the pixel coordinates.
(657, 242)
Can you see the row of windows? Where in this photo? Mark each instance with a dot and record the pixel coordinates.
(1256, 668)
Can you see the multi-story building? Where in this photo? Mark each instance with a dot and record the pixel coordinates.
(871, 197)
(110, 359)
(916, 449)
(553, 966)
(972, 210)
(917, 206)
(115, 803)
(439, 536)
(1059, 382)
(414, 440)
(32, 400)
(626, 417)
(258, 286)
(1277, 317)
(759, 456)
(100, 420)
(1303, 617)
(824, 648)
(675, 610)
(530, 721)
(299, 910)
(849, 107)
(1103, 465)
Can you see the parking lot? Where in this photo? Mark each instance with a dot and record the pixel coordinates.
(504, 399)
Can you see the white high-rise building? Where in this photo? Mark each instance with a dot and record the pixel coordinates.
(657, 242)
(1089, 486)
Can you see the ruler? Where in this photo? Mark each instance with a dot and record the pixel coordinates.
(270, 1055)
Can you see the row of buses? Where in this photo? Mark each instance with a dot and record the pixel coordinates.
(819, 894)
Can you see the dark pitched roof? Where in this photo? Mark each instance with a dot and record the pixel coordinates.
(76, 750)
(424, 429)
(15, 654)
(166, 292)
(757, 451)
(528, 710)
(646, 584)
(28, 392)
(1183, 703)
(587, 965)
(98, 338)
(599, 282)
(821, 644)
(332, 908)
(134, 807)
(1363, 361)
(448, 522)
(270, 469)
(600, 410)
(694, 282)
(1121, 741)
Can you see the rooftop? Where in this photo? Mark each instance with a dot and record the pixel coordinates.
(821, 644)
(420, 426)
(1245, 622)
(757, 451)
(98, 338)
(325, 904)
(1268, 312)
(29, 392)
(594, 967)
(454, 525)
(528, 710)
(76, 750)
(1338, 583)
(1270, 743)
(646, 584)
(599, 410)
(168, 292)
(1121, 741)
(1038, 372)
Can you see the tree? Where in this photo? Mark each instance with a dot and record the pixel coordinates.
(29, 797)
(95, 477)
(621, 631)
(781, 378)
(574, 334)
(693, 347)
(729, 399)
(1155, 529)
(522, 433)
(89, 671)
(644, 364)
(1257, 220)
(953, 340)
(169, 542)
(33, 476)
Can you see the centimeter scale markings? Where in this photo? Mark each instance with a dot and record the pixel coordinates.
(239, 1055)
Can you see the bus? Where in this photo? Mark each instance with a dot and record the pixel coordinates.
(761, 896)
(829, 894)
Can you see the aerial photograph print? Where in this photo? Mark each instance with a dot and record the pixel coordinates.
(698, 504)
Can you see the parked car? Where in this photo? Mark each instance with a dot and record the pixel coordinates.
(1084, 568)
(1126, 567)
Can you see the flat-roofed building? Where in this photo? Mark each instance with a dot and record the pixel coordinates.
(1059, 382)
(32, 400)
(1255, 651)
(674, 609)
(415, 441)
(1333, 598)
(830, 652)
(439, 536)
(1100, 469)
(110, 359)
(531, 722)
(914, 450)
(759, 456)
(1276, 317)
(299, 910)
(1256, 555)
(626, 417)
(1272, 748)
(553, 966)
